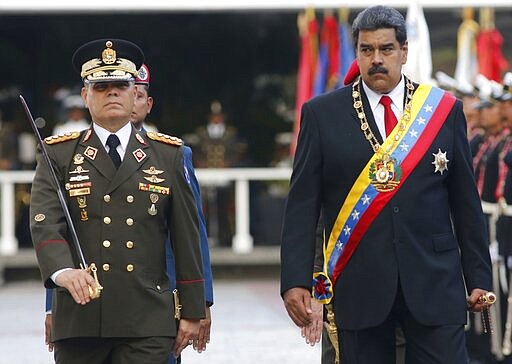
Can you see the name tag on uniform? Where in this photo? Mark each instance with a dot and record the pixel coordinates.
(80, 192)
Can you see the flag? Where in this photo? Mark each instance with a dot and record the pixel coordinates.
(347, 54)
(308, 31)
(328, 64)
(419, 57)
(489, 41)
(467, 65)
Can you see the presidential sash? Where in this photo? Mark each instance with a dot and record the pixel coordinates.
(378, 182)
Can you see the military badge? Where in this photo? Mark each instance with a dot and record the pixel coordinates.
(154, 179)
(108, 55)
(79, 170)
(90, 152)
(385, 174)
(78, 178)
(440, 162)
(78, 159)
(140, 139)
(39, 217)
(87, 135)
(139, 155)
(152, 170)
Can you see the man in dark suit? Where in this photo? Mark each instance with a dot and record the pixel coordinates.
(407, 236)
(126, 192)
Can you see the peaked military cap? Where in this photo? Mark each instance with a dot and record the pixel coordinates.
(105, 60)
(143, 77)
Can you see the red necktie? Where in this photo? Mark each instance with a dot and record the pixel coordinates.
(389, 116)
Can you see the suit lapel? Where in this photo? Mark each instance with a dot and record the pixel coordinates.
(135, 156)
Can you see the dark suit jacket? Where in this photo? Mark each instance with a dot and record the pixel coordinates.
(430, 237)
(134, 302)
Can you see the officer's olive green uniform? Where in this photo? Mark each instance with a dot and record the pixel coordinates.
(122, 218)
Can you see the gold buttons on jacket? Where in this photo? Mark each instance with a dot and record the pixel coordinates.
(106, 267)
(129, 198)
(107, 220)
(129, 244)
(129, 267)
(129, 221)
(106, 243)
(106, 198)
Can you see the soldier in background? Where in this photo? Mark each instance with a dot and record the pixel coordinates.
(8, 145)
(217, 145)
(76, 116)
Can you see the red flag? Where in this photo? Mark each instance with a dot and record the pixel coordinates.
(491, 62)
(308, 29)
(328, 63)
(333, 53)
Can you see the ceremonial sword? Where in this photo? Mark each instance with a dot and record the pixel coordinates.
(94, 293)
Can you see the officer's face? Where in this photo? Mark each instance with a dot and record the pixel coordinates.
(142, 105)
(109, 103)
(380, 58)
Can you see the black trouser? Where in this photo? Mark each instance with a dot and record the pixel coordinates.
(424, 344)
(145, 350)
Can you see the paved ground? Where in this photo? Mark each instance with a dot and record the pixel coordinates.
(250, 325)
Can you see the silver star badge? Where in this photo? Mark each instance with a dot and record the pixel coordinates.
(440, 162)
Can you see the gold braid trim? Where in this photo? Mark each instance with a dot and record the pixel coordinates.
(164, 138)
(55, 139)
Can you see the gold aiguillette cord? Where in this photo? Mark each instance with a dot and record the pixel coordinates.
(332, 330)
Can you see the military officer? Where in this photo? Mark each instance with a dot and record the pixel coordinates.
(126, 192)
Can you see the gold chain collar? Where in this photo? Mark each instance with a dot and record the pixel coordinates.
(365, 127)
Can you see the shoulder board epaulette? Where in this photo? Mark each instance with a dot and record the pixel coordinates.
(55, 139)
(164, 138)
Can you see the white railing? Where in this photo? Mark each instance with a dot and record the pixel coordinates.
(242, 240)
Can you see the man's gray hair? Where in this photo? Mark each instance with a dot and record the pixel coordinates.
(379, 17)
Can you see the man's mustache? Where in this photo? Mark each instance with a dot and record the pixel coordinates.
(377, 69)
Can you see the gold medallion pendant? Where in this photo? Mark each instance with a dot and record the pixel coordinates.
(385, 173)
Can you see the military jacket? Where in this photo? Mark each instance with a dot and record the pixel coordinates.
(122, 218)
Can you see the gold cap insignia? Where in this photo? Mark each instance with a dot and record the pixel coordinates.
(108, 56)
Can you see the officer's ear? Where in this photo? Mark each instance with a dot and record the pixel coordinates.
(150, 104)
(83, 93)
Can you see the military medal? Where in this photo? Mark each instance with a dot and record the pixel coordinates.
(82, 204)
(440, 162)
(153, 188)
(153, 197)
